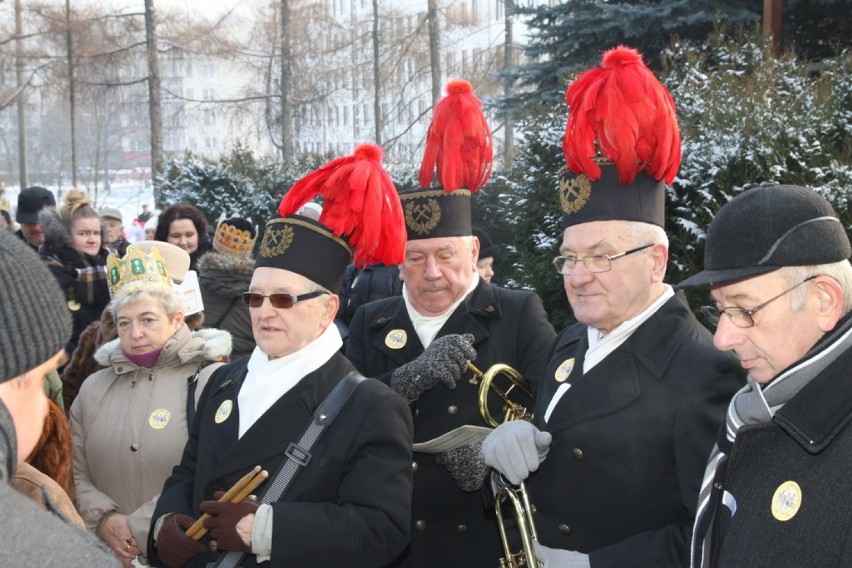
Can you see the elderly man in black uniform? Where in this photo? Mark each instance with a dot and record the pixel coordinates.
(634, 392)
(420, 343)
(776, 489)
(348, 499)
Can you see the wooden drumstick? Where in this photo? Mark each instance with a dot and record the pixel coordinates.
(197, 530)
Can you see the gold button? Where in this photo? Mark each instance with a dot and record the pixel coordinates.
(564, 529)
(461, 528)
(420, 525)
(414, 466)
(453, 409)
(578, 453)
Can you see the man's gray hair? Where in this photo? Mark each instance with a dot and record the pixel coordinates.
(641, 233)
(841, 272)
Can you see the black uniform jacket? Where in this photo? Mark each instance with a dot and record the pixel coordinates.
(791, 481)
(351, 504)
(451, 527)
(630, 441)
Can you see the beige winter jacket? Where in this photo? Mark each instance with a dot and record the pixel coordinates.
(130, 426)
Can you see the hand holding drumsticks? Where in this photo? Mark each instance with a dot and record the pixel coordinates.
(240, 490)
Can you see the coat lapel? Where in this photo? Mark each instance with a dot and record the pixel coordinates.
(283, 423)
(614, 382)
(608, 387)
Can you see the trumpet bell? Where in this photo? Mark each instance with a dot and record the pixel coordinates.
(514, 386)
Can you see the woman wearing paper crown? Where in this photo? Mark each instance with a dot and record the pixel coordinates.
(348, 501)
(420, 343)
(634, 393)
(131, 419)
(223, 275)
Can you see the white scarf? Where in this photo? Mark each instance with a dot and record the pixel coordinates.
(267, 379)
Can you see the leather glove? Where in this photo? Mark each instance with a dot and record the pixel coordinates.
(516, 449)
(174, 548)
(466, 466)
(223, 520)
(559, 558)
(443, 361)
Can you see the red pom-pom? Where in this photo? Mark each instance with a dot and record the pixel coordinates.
(458, 143)
(622, 110)
(361, 203)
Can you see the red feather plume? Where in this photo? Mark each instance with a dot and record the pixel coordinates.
(361, 203)
(628, 113)
(458, 142)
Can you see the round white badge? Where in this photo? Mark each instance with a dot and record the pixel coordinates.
(563, 371)
(223, 411)
(396, 339)
(786, 501)
(159, 419)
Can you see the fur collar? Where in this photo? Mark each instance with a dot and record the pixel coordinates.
(215, 345)
(56, 234)
(216, 261)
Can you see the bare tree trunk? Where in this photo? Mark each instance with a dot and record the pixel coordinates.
(434, 53)
(155, 110)
(71, 93)
(23, 170)
(287, 148)
(508, 63)
(377, 80)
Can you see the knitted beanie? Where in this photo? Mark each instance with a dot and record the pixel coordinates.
(34, 320)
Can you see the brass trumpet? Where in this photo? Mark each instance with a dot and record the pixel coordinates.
(519, 500)
(515, 496)
(512, 410)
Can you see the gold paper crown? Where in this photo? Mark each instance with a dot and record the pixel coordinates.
(136, 266)
(232, 241)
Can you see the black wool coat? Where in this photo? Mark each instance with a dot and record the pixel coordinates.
(449, 526)
(350, 506)
(630, 441)
(808, 443)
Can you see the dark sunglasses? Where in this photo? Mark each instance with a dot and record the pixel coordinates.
(280, 301)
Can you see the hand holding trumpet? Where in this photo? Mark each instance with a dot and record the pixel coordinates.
(444, 361)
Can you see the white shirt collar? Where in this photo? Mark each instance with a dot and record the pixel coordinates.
(427, 327)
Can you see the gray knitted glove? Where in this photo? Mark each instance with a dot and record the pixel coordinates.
(559, 558)
(466, 466)
(443, 361)
(516, 449)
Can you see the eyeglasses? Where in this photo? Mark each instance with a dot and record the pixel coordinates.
(742, 317)
(280, 301)
(565, 265)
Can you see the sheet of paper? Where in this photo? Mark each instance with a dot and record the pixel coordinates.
(461, 436)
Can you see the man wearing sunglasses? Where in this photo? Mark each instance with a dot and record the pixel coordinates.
(776, 488)
(348, 498)
(634, 392)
